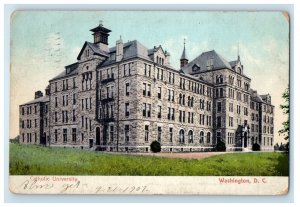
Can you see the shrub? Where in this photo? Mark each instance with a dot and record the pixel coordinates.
(155, 146)
(220, 147)
(256, 147)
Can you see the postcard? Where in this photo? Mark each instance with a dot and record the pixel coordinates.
(149, 102)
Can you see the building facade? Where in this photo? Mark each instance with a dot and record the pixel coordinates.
(124, 97)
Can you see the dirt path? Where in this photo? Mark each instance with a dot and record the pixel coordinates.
(190, 155)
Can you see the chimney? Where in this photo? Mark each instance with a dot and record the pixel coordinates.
(47, 90)
(38, 94)
(119, 50)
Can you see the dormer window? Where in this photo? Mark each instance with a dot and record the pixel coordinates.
(87, 53)
(210, 63)
(195, 67)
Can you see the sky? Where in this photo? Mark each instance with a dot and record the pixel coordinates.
(43, 42)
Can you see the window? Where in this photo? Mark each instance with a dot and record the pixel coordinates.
(159, 92)
(55, 86)
(55, 135)
(208, 138)
(231, 107)
(111, 133)
(201, 104)
(231, 121)
(55, 116)
(173, 114)
(74, 99)
(65, 135)
(202, 119)
(126, 133)
(190, 135)
(159, 112)
(126, 109)
(181, 136)
(238, 109)
(144, 110)
(74, 115)
(219, 106)
(147, 89)
(55, 102)
(201, 137)
(171, 95)
(74, 83)
(159, 134)
(245, 111)
(171, 134)
(73, 134)
(146, 133)
(183, 116)
(127, 89)
(180, 116)
(218, 121)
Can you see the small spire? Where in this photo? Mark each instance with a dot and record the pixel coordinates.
(183, 56)
(238, 50)
(100, 23)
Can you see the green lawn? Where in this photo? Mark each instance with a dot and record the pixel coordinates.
(38, 160)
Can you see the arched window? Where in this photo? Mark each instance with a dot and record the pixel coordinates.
(183, 99)
(191, 136)
(208, 138)
(181, 136)
(201, 137)
(189, 99)
(221, 79)
(180, 99)
(192, 101)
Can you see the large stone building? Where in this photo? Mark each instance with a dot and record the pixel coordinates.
(124, 97)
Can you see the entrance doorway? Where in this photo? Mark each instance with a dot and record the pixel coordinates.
(98, 136)
(245, 139)
(43, 139)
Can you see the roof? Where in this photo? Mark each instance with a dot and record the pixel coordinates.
(233, 63)
(37, 100)
(201, 61)
(95, 48)
(130, 50)
(101, 29)
(74, 71)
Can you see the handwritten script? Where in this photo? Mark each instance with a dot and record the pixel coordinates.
(79, 187)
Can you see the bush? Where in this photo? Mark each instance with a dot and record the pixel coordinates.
(256, 147)
(155, 146)
(220, 147)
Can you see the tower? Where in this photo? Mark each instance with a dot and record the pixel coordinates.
(100, 34)
(183, 60)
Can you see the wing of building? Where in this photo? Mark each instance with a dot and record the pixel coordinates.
(122, 98)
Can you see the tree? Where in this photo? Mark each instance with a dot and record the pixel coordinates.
(155, 146)
(256, 147)
(220, 147)
(276, 147)
(286, 110)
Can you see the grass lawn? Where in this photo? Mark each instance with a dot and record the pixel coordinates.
(38, 160)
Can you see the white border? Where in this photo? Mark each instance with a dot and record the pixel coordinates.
(294, 84)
